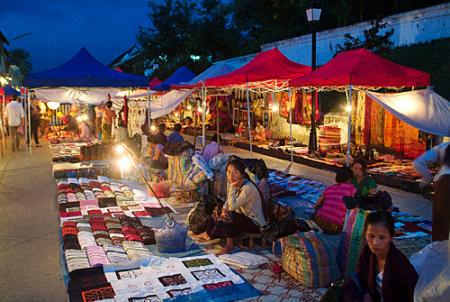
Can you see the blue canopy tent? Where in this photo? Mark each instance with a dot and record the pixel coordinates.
(213, 71)
(182, 74)
(9, 91)
(83, 70)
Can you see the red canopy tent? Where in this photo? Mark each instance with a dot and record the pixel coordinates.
(268, 66)
(361, 68)
(154, 82)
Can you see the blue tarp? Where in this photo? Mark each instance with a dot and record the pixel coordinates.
(10, 91)
(182, 74)
(83, 70)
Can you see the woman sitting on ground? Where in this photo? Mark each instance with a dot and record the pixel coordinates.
(260, 132)
(383, 272)
(330, 208)
(212, 149)
(363, 183)
(241, 213)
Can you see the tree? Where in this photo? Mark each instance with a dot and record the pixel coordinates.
(21, 58)
(376, 39)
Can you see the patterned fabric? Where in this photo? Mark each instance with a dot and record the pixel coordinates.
(98, 294)
(179, 292)
(197, 262)
(217, 285)
(172, 280)
(352, 240)
(309, 260)
(208, 275)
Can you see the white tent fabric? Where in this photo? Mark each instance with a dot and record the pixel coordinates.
(93, 96)
(167, 103)
(423, 109)
(133, 94)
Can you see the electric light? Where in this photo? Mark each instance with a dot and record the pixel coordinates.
(189, 107)
(200, 109)
(348, 108)
(125, 163)
(119, 149)
(53, 105)
(274, 108)
(153, 128)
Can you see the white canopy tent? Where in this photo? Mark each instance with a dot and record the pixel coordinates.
(423, 109)
(92, 96)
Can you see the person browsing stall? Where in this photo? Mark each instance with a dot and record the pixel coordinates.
(242, 211)
(107, 121)
(160, 136)
(363, 183)
(330, 208)
(175, 136)
(383, 273)
(157, 158)
(440, 154)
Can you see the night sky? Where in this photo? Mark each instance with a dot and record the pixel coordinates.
(59, 28)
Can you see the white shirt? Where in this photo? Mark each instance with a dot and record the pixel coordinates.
(433, 156)
(14, 113)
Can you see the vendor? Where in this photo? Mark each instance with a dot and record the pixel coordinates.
(242, 211)
(157, 160)
(239, 130)
(383, 272)
(260, 131)
(212, 149)
(85, 132)
(363, 183)
(330, 208)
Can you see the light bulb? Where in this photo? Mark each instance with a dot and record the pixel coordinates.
(189, 107)
(348, 108)
(120, 149)
(124, 163)
(274, 107)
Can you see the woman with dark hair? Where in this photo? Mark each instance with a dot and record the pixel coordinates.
(242, 211)
(383, 272)
(157, 158)
(364, 184)
(330, 208)
(212, 149)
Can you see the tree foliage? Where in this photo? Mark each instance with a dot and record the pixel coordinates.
(21, 58)
(376, 38)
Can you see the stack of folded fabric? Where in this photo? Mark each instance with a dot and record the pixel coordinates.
(243, 260)
(76, 259)
(69, 234)
(115, 230)
(136, 250)
(96, 256)
(116, 254)
(86, 239)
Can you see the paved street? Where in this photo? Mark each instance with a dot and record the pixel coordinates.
(29, 253)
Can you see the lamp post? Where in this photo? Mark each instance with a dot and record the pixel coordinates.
(313, 15)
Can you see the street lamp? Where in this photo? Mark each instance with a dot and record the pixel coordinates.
(313, 15)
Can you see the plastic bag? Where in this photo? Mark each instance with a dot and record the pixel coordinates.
(161, 189)
(432, 265)
(171, 239)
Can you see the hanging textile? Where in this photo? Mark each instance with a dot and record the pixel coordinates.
(367, 119)
(358, 115)
(377, 125)
(283, 101)
(297, 116)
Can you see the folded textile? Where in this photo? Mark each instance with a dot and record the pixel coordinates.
(243, 259)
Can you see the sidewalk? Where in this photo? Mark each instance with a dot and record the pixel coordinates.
(29, 254)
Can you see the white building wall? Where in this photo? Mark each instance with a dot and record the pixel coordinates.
(412, 27)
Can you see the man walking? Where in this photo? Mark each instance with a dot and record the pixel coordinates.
(14, 118)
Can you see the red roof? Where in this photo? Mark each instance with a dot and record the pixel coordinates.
(269, 65)
(154, 82)
(361, 67)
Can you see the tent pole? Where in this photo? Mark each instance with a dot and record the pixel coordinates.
(203, 114)
(29, 119)
(349, 129)
(217, 120)
(290, 124)
(149, 111)
(248, 120)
